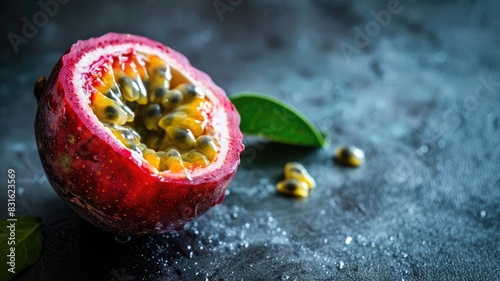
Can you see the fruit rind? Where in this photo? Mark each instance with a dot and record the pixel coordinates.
(104, 181)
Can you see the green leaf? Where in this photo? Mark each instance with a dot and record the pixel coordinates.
(275, 120)
(28, 244)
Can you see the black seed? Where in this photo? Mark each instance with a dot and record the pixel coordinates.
(173, 152)
(191, 90)
(153, 110)
(110, 95)
(113, 94)
(175, 97)
(160, 92)
(291, 186)
(125, 81)
(181, 135)
(111, 113)
(204, 140)
(346, 152)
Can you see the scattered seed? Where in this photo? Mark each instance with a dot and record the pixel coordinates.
(350, 155)
(297, 181)
(293, 187)
(295, 170)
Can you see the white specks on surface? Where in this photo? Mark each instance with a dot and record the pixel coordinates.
(441, 143)
(422, 150)
(341, 264)
(482, 214)
(348, 240)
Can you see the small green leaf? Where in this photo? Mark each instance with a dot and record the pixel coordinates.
(275, 120)
(28, 244)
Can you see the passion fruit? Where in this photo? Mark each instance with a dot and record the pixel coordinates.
(133, 137)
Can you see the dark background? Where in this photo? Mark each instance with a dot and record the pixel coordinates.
(416, 98)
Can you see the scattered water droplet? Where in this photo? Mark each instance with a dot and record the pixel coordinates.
(441, 143)
(483, 213)
(422, 150)
(348, 240)
(341, 264)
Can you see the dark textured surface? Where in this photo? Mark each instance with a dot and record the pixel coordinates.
(425, 206)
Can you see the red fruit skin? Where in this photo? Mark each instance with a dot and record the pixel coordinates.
(107, 186)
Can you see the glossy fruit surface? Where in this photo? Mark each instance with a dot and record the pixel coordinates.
(127, 158)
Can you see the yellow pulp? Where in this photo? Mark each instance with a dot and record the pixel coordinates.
(135, 98)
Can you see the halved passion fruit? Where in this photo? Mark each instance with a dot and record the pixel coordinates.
(133, 137)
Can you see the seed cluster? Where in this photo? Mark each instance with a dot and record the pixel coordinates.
(297, 181)
(134, 99)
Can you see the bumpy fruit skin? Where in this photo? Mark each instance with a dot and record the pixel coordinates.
(109, 186)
